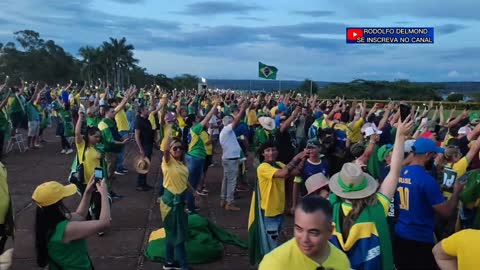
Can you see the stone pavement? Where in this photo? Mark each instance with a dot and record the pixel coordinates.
(133, 217)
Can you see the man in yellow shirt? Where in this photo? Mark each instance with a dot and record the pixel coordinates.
(123, 128)
(459, 251)
(310, 248)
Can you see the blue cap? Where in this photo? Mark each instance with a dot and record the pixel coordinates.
(424, 145)
(281, 107)
(318, 114)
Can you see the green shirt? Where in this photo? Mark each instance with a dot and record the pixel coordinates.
(93, 121)
(69, 256)
(196, 148)
(3, 120)
(32, 112)
(110, 134)
(66, 117)
(14, 103)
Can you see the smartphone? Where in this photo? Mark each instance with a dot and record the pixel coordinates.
(424, 120)
(404, 111)
(98, 174)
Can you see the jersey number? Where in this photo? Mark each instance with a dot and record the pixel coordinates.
(404, 198)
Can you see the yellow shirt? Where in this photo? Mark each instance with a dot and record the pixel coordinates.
(90, 162)
(289, 256)
(175, 175)
(4, 194)
(465, 245)
(460, 167)
(122, 120)
(272, 190)
(181, 122)
(273, 111)
(252, 118)
(355, 133)
(208, 147)
(151, 118)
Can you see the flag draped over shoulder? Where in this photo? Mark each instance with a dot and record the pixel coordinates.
(258, 244)
(267, 72)
(368, 245)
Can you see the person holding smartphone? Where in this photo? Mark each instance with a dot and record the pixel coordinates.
(91, 158)
(60, 234)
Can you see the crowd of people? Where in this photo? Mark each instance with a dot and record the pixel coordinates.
(390, 186)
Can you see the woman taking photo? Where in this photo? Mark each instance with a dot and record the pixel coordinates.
(172, 204)
(360, 208)
(60, 235)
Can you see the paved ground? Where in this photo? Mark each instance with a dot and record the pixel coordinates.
(134, 216)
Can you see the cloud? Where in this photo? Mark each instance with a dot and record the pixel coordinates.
(449, 28)
(461, 9)
(128, 1)
(314, 13)
(216, 7)
(250, 18)
(453, 74)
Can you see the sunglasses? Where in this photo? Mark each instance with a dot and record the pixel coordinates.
(177, 148)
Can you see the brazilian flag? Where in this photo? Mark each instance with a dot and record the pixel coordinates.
(258, 244)
(267, 72)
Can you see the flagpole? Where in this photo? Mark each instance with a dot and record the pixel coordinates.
(311, 85)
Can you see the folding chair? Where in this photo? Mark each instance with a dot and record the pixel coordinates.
(17, 140)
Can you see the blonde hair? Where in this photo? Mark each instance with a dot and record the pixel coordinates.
(452, 152)
(358, 205)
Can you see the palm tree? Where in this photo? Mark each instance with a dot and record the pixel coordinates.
(91, 63)
(118, 59)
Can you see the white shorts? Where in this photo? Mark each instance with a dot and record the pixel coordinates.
(33, 128)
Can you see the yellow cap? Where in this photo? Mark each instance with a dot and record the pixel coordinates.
(51, 192)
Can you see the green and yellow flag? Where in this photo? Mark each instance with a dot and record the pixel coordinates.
(267, 72)
(258, 244)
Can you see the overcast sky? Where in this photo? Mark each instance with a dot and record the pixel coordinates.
(226, 39)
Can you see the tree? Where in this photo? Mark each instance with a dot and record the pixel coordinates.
(308, 87)
(91, 65)
(29, 39)
(455, 97)
(118, 58)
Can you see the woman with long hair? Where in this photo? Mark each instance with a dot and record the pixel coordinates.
(91, 158)
(360, 208)
(59, 234)
(172, 204)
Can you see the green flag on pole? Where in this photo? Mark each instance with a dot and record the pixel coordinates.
(267, 72)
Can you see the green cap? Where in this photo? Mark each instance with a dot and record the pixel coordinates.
(473, 117)
(383, 152)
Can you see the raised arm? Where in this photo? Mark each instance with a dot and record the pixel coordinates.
(457, 119)
(386, 114)
(131, 92)
(442, 116)
(240, 115)
(390, 183)
(78, 127)
(82, 229)
(5, 101)
(293, 167)
(473, 150)
(209, 115)
(286, 124)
